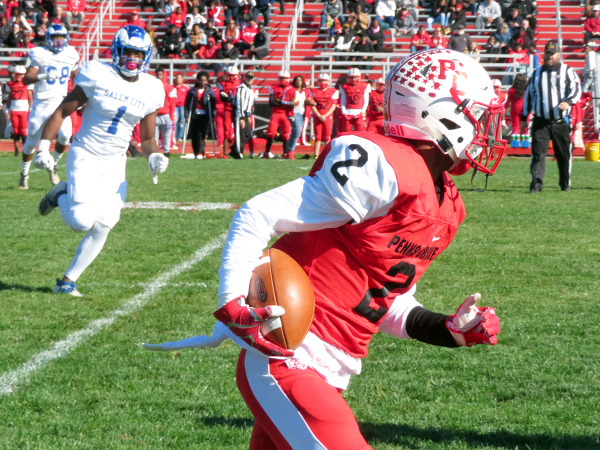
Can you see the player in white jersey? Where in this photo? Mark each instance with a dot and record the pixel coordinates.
(117, 96)
(49, 68)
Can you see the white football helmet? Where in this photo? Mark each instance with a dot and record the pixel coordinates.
(446, 97)
(20, 70)
(233, 71)
(353, 76)
(323, 81)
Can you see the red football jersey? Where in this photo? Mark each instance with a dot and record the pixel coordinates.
(325, 98)
(229, 87)
(17, 90)
(220, 105)
(357, 270)
(279, 92)
(375, 102)
(353, 99)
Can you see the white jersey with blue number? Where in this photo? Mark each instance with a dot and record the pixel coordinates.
(61, 64)
(114, 107)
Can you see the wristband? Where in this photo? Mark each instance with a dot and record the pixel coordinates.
(42, 76)
(44, 145)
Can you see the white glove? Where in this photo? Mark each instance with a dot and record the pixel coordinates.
(48, 76)
(43, 159)
(157, 163)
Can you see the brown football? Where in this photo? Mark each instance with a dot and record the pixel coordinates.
(280, 280)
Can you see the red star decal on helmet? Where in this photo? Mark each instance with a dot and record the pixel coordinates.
(437, 86)
(432, 68)
(403, 80)
(427, 58)
(431, 76)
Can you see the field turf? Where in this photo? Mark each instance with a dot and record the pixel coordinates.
(535, 258)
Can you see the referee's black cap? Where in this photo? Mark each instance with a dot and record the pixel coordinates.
(249, 75)
(551, 48)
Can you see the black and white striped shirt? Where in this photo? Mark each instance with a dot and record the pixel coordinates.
(244, 101)
(547, 88)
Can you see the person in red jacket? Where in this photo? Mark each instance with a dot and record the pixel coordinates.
(354, 100)
(19, 101)
(227, 89)
(209, 51)
(220, 117)
(279, 110)
(177, 18)
(75, 9)
(592, 25)
(375, 110)
(181, 90)
(326, 98)
(420, 40)
(134, 19)
(231, 33)
(514, 101)
(166, 115)
(247, 36)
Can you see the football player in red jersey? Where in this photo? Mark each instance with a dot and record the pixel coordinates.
(375, 110)
(279, 112)
(20, 98)
(354, 100)
(228, 88)
(326, 98)
(365, 224)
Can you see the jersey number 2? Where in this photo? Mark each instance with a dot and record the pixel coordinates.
(361, 161)
(115, 122)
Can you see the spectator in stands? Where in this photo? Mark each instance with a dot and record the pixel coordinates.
(592, 25)
(170, 8)
(404, 24)
(492, 47)
(473, 51)
(49, 7)
(181, 91)
(197, 17)
(197, 40)
(149, 4)
(527, 30)
(25, 43)
(344, 43)
(186, 29)
(228, 53)
(505, 6)
(15, 36)
(376, 36)
(2, 10)
(385, 11)
(31, 10)
(177, 18)
(248, 32)
(171, 43)
(211, 51)
(211, 31)
(261, 45)
(519, 37)
(522, 61)
(536, 56)
(438, 14)
(420, 40)
(361, 19)
(231, 32)
(11, 5)
(364, 45)
(366, 5)
(5, 30)
(75, 9)
(503, 37)
(411, 6)
(149, 28)
(513, 20)
(215, 13)
(458, 17)
(262, 7)
(459, 41)
(489, 15)
(232, 9)
(437, 39)
(20, 18)
(527, 10)
(471, 6)
(134, 19)
(332, 9)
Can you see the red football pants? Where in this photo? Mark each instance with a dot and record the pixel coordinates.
(219, 125)
(357, 122)
(294, 407)
(323, 129)
(375, 125)
(279, 119)
(19, 119)
(228, 126)
(515, 121)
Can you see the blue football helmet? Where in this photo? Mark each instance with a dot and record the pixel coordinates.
(53, 31)
(134, 38)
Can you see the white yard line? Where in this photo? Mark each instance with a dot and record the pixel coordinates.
(175, 285)
(19, 172)
(11, 380)
(200, 206)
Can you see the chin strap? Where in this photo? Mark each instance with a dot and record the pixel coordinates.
(473, 177)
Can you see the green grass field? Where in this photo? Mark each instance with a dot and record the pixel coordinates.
(536, 259)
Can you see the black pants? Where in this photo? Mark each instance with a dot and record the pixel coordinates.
(197, 132)
(542, 132)
(242, 136)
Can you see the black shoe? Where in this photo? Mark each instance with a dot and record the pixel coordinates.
(16, 152)
(167, 154)
(534, 191)
(235, 154)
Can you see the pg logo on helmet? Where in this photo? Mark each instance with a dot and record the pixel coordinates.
(446, 97)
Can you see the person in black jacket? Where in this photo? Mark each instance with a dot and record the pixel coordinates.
(171, 42)
(527, 10)
(376, 36)
(228, 52)
(261, 45)
(201, 103)
(364, 45)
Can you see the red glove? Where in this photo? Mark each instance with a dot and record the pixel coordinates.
(472, 325)
(245, 322)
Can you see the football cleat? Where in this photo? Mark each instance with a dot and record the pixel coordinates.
(24, 182)
(66, 287)
(54, 178)
(50, 200)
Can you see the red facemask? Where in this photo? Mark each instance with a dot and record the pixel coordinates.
(352, 81)
(284, 81)
(323, 84)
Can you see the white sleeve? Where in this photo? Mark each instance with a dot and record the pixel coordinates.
(304, 204)
(34, 59)
(359, 177)
(394, 321)
(366, 99)
(87, 77)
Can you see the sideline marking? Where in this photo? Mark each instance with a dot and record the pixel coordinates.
(200, 206)
(19, 172)
(10, 380)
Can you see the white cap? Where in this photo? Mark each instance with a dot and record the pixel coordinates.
(380, 81)
(20, 69)
(232, 70)
(283, 74)
(353, 72)
(596, 8)
(497, 83)
(324, 77)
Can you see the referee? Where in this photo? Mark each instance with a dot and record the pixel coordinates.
(243, 107)
(551, 92)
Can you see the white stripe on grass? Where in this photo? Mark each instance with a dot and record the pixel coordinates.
(19, 172)
(12, 379)
(201, 206)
